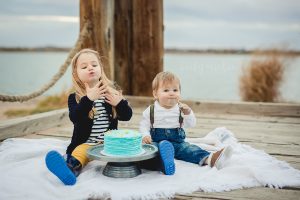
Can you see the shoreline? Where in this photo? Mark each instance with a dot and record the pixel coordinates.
(166, 50)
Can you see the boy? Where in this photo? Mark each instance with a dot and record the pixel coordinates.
(162, 124)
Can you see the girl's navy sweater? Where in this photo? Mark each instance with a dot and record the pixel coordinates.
(79, 115)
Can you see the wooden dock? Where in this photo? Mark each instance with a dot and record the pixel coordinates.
(274, 128)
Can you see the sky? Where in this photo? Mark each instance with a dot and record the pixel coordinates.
(197, 24)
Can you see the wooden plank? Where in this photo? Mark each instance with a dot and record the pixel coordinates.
(30, 124)
(283, 150)
(271, 135)
(232, 108)
(247, 127)
(250, 193)
(59, 131)
(252, 127)
(249, 124)
(37, 136)
(237, 117)
(293, 161)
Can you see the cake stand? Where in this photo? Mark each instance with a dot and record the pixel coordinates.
(122, 167)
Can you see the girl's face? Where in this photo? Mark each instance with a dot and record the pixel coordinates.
(167, 94)
(88, 69)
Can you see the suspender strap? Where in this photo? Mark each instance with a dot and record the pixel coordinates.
(152, 115)
(180, 119)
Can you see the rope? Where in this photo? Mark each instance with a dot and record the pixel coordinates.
(83, 34)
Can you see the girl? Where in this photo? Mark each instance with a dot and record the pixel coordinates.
(94, 108)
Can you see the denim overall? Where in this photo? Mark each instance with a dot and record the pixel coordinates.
(183, 150)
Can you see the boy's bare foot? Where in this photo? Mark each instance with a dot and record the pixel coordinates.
(219, 158)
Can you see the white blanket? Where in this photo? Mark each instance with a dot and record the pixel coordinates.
(23, 173)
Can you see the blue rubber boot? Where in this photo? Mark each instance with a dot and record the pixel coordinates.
(58, 166)
(166, 152)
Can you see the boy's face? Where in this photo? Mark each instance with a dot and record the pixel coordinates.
(167, 94)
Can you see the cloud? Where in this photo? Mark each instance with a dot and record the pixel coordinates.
(39, 7)
(221, 24)
(234, 10)
(231, 23)
(67, 19)
(38, 18)
(188, 24)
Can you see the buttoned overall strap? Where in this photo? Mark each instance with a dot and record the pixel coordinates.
(152, 116)
(180, 119)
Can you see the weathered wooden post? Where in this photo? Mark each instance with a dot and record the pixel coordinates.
(129, 34)
(123, 52)
(138, 44)
(100, 14)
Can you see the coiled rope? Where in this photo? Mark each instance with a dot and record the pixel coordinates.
(85, 31)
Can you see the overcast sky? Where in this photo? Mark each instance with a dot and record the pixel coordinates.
(188, 24)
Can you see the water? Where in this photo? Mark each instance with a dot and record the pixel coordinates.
(207, 76)
(216, 77)
(25, 72)
(203, 76)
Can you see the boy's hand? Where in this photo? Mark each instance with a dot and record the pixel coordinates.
(147, 139)
(184, 108)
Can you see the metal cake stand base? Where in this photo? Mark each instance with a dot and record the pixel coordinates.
(121, 170)
(122, 167)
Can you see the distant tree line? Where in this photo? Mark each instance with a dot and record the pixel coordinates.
(167, 50)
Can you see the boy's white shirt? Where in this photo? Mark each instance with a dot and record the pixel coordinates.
(165, 118)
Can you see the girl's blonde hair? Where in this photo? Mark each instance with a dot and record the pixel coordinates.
(164, 77)
(79, 86)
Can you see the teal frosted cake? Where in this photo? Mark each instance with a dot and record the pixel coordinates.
(122, 143)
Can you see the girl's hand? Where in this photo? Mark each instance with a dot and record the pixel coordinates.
(113, 99)
(147, 139)
(94, 93)
(184, 108)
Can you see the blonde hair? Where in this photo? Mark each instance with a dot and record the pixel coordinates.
(163, 78)
(79, 86)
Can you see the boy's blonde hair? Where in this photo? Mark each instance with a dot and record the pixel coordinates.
(163, 78)
(79, 87)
